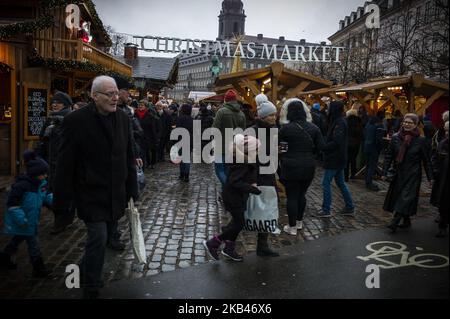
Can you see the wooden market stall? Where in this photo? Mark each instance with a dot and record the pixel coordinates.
(412, 93)
(39, 55)
(275, 80)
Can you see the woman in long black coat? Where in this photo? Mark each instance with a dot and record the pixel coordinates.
(439, 195)
(407, 152)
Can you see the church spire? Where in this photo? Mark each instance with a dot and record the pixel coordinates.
(231, 19)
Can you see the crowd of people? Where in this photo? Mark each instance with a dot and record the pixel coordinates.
(89, 155)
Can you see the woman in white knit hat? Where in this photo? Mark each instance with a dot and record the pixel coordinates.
(266, 119)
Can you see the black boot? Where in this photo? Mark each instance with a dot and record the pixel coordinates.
(6, 262)
(394, 223)
(116, 244)
(91, 293)
(262, 246)
(186, 178)
(63, 219)
(39, 269)
(442, 232)
(406, 223)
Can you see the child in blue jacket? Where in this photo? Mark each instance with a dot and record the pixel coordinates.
(21, 220)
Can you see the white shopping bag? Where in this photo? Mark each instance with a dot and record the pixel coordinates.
(137, 237)
(262, 211)
(175, 156)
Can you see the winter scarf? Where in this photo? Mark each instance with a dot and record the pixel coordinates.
(406, 137)
(141, 114)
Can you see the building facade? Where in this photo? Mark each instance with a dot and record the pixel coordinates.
(412, 38)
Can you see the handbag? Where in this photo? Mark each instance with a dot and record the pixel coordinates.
(140, 179)
(262, 211)
(137, 237)
(175, 156)
(391, 174)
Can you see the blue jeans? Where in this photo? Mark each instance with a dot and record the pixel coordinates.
(185, 168)
(371, 168)
(338, 176)
(33, 246)
(222, 171)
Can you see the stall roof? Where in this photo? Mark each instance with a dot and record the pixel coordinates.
(163, 69)
(280, 82)
(421, 85)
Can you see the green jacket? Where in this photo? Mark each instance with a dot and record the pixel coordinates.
(229, 116)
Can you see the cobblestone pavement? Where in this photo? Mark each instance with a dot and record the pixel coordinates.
(176, 217)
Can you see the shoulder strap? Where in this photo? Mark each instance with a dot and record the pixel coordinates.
(306, 133)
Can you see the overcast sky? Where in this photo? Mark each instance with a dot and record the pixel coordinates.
(313, 20)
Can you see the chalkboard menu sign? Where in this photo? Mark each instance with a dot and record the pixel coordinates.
(36, 110)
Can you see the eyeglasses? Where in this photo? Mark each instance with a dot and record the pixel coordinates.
(109, 94)
(408, 123)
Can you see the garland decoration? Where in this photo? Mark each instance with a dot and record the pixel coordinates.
(70, 65)
(10, 30)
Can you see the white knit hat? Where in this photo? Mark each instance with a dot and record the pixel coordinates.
(265, 109)
(261, 98)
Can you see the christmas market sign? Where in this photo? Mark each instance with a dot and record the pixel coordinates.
(250, 50)
(36, 110)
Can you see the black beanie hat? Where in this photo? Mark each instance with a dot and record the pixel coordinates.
(61, 97)
(336, 109)
(296, 112)
(35, 165)
(186, 109)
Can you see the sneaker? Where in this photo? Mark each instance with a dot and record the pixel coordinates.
(116, 245)
(230, 251)
(212, 247)
(347, 212)
(290, 230)
(299, 224)
(373, 188)
(6, 262)
(323, 214)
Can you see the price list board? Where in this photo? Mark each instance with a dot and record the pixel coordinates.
(36, 110)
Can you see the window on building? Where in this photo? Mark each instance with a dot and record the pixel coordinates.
(437, 11)
(427, 11)
(418, 14)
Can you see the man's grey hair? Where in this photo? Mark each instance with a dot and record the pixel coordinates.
(97, 83)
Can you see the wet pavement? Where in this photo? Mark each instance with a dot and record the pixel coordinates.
(412, 264)
(176, 217)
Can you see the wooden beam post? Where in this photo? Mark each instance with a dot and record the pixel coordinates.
(430, 101)
(391, 97)
(251, 85)
(411, 98)
(299, 88)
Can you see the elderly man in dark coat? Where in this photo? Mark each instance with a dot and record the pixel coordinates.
(96, 167)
